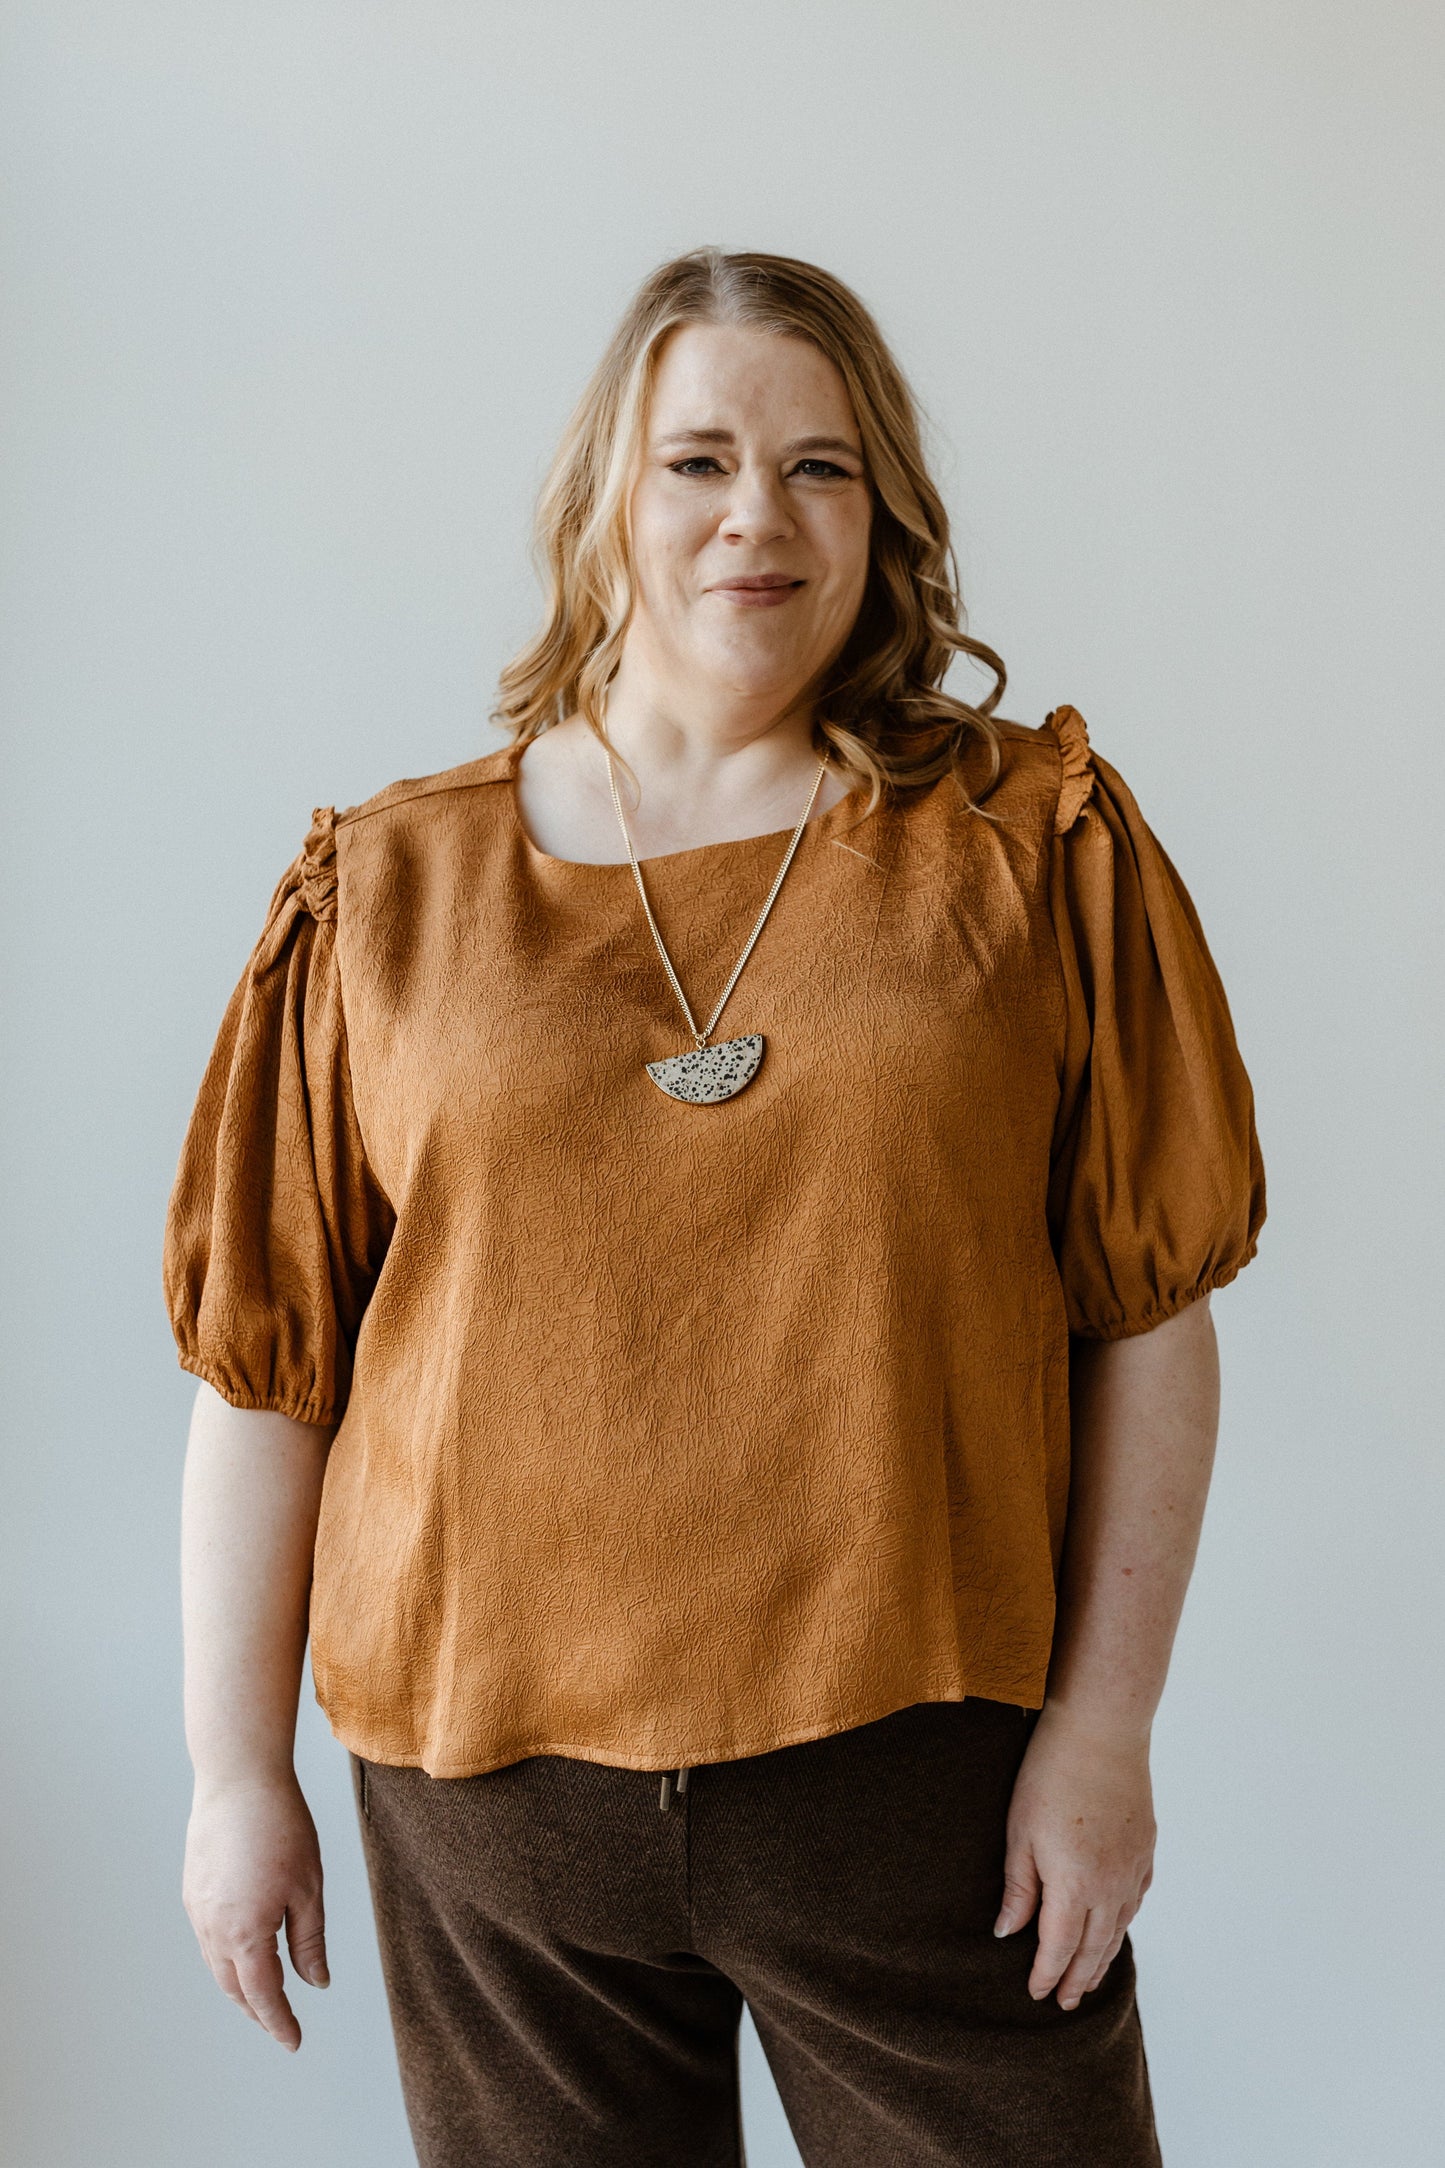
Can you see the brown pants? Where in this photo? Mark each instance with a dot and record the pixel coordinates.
(566, 1963)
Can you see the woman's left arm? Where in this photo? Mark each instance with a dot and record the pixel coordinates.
(1081, 1827)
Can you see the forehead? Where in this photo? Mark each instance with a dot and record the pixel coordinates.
(733, 374)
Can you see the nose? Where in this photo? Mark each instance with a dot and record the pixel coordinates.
(757, 507)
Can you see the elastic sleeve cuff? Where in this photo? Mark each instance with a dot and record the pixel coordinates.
(302, 1408)
(1130, 1328)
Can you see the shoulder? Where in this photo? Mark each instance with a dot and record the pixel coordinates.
(378, 830)
(422, 797)
(1046, 770)
(382, 826)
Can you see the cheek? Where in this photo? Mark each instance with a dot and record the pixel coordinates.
(844, 542)
(667, 537)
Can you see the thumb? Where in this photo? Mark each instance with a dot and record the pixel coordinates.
(1021, 1888)
(306, 1940)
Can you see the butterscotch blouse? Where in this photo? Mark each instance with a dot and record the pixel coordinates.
(669, 1432)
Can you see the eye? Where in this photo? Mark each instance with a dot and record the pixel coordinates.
(823, 470)
(695, 461)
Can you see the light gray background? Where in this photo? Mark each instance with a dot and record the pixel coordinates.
(298, 297)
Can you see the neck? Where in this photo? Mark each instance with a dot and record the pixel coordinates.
(711, 744)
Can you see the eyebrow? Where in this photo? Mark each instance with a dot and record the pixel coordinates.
(726, 436)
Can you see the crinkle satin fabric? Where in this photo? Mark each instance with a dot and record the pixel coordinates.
(674, 1433)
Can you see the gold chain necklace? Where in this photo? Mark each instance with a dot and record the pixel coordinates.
(709, 1073)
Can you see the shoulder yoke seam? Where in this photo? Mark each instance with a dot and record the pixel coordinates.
(421, 787)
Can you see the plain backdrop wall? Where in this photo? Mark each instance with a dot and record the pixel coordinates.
(298, 296)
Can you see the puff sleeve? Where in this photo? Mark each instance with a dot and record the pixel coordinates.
(276, 1227)
(1157, 1191)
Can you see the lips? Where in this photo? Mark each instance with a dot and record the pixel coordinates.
(762, 579)
(758, 590)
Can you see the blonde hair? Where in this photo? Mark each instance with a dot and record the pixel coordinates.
(881, 710)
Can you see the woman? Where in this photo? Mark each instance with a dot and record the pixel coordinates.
(684, 1217)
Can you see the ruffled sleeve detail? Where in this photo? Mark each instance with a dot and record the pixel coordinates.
(277, 1228)
(318, 864)
(1077, 782)
(1157, 1189)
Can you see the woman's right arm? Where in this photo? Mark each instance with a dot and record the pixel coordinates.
(251, 1496)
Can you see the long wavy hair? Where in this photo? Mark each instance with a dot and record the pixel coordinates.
(881, 710)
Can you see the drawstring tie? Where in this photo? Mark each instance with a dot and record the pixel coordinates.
(665, 1801)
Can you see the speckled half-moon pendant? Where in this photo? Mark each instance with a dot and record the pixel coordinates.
(709, 1073)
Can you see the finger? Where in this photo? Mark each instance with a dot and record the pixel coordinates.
(223, 1971)
(262, 1981)
(306, 1940)
(1089, 1956)
(1121, 1934)
(1062, 1919)
(1114, 1948)
(1020, 1892)
(225, 1976)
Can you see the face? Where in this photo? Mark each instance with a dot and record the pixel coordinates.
(750, 516)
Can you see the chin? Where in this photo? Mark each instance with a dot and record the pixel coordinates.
(751, 675)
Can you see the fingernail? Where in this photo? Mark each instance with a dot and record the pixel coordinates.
(1001, 1928)
(320, 1977)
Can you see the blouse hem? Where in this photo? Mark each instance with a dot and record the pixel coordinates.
(1133, 1328)
(617, 1758)
(311, 1409)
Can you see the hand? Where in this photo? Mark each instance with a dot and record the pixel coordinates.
(252, 1861)
(1081, 1828)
